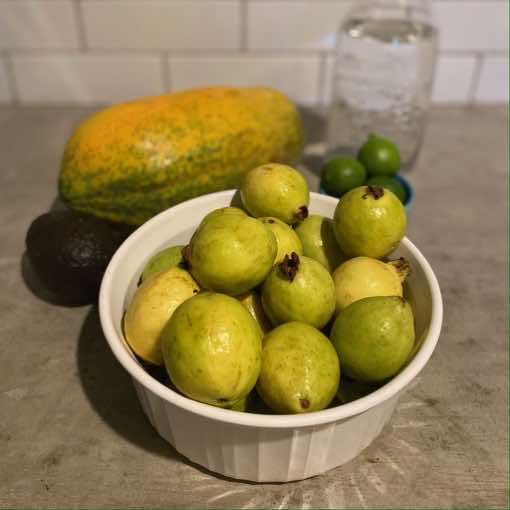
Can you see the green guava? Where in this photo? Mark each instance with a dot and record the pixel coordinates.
(363, 277)
(222, 212)
(251, 301)
(299, 289)
(165, 259)
(369, 221)
(300, 369)
(319, 242)
(212, 349)
(231, 253)
(152, 305)
(225, 214)
(276, 190)
(374, 337)
(286, 238)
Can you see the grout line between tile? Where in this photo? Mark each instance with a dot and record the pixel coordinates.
(80, 24)
(243, 25)
(276, 52)
(98, 52)
(473, 53)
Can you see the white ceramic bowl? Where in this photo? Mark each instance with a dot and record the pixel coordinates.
(249, 446)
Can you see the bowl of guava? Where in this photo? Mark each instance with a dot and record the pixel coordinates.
(269, 331)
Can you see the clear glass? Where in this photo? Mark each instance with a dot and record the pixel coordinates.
(384, 69)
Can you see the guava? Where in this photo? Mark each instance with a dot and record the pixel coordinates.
(363, 277)
(299, 289)
(319, 242)
(212, 349)
(374, 337)
(276, 190)
(222, 212)
(287, 240)
(152, 305)
(231, 253)
(251, 301)
(300, 369)
(165, 259)
(369, 221)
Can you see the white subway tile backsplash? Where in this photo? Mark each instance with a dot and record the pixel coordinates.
(472, 25)
(296, 76)
(96, 51)
(160, 24)
(493, 84)
(35, 24)
(296, 24)
(453, 78)
(5, 93)
(87, 79)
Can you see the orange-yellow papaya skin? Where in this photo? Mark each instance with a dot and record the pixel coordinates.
(130, 161)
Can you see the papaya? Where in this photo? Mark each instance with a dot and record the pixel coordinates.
(132, 160)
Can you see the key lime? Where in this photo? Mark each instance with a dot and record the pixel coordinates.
(341, 174)
(380, 156)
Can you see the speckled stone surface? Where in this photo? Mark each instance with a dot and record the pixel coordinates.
(72, 433)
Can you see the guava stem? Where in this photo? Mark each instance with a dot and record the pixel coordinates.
(290, 265)
(304, 402)
(375, 191)
(402, 268)
(186, 255)
(302, 213)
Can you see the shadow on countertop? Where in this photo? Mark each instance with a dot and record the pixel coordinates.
(110, 390)
(314, 124)
(315, 132)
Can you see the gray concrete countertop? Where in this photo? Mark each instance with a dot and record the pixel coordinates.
(72, 433)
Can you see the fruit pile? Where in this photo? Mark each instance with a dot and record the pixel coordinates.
(377, 164)
(270, 309)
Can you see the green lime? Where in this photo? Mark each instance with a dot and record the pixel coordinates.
(389, 183)
(341, 174)
(380, 156)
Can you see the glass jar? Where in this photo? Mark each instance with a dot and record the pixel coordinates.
(383, 74)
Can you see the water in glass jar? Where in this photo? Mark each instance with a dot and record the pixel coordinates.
(383, 76)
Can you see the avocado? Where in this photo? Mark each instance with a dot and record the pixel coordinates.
(69, 252)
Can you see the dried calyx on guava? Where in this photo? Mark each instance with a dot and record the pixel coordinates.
(287, 240)
(369, 221)
(363, 277)
(300, 369)
(299, 289)
(276, 190)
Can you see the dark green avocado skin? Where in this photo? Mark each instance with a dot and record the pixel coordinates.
(69, 253)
